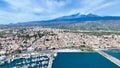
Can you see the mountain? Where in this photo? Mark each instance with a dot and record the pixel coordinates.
(75, 18)
(89, 17)
(86, 21)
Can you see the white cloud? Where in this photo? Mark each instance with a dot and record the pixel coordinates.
(104, 6)
(41, 6)
(23, 5)
(29, 10)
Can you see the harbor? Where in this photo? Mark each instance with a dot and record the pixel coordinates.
(34, 59)
(50, 59)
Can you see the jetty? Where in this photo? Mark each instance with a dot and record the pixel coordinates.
(51, 59)
(50, 62)
(109, 57)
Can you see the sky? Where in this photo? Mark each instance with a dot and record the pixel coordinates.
(16, 11)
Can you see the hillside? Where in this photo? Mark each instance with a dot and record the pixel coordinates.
(93, 25)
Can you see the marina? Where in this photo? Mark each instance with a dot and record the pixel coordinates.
(40, 61)
(30, 60)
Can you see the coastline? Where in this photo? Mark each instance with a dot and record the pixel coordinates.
(70, 50)
(50, 54)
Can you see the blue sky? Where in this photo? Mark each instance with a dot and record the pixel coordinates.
(14, 11)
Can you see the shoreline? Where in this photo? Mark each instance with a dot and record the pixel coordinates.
(68, 50)
(71, 50)
(51, 54)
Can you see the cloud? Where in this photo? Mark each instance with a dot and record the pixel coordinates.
(13, 11)
(37, 6)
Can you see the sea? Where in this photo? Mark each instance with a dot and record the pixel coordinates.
(82, 60)
(65, 60)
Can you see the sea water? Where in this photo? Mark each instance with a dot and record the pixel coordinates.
(82, 60)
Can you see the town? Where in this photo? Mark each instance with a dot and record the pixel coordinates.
(35, 39)
(22, 39)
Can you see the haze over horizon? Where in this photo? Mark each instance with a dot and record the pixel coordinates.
(14, 11)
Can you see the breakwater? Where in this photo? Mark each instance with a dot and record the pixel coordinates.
(109, 57)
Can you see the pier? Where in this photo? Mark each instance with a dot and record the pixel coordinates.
(109, 57)
(51, 58)
(50, 62)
